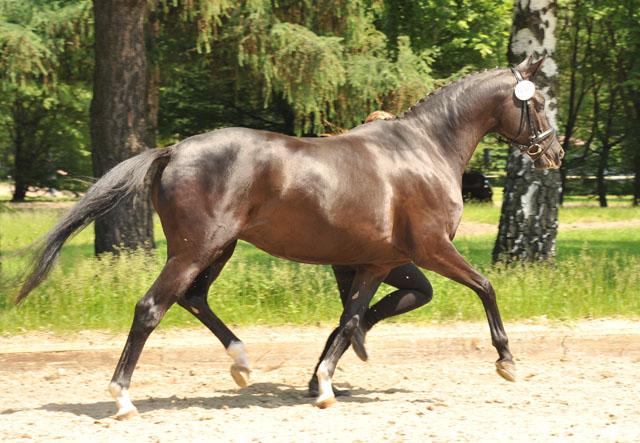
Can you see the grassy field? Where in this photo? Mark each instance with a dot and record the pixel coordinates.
(488, 213)
(596, 274)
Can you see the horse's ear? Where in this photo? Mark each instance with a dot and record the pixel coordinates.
(530, 70)
(522, 67)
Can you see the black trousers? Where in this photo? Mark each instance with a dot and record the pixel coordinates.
(413, 291)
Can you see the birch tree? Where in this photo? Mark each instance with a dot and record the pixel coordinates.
(43, 91)
(529, 218)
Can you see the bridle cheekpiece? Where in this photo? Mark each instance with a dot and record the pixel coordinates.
(524, 92)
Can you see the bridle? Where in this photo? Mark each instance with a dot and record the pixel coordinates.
(534, 149)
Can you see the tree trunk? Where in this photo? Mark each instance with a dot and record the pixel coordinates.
(119, 115)
(601, 185)
(20, 160)
(529, 218)
(152, 31)
(635, 140)
(636, 180)
(21, 165)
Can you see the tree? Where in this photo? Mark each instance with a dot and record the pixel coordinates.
(575, 50)
(623, 30)
(598, 53)
(461, 36)
(119, 115)
(46, 133)
(44, 95)
(287, 66)
(529, 217)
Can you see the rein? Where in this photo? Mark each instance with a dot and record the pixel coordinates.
(534, 149)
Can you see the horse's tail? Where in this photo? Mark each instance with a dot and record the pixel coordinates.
(117, 184)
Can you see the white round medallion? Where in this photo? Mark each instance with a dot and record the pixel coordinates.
(525, 90)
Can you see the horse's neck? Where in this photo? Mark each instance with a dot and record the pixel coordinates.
(454, 119)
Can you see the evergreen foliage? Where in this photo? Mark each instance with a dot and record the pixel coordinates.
(312, 61)
(44, 95)
(292, 66)
(463, 35)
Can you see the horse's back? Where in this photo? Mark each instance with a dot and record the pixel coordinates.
(305, 199)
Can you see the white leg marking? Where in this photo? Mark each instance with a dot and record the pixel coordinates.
(240, 370)
(121, 396)
(326, 396)
(236, 352)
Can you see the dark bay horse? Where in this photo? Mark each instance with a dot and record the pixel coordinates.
(382, 195)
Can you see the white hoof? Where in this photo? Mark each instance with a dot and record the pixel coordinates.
(326, 396)
(324, 403)
(126, 410)
(126, 415)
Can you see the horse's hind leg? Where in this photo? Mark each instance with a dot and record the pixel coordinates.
(414, 291)
(195, 301)
(174, 280)
(365, 284)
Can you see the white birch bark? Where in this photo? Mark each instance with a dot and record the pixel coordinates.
(529, 218)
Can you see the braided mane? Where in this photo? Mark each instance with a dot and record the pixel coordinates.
(437, 93)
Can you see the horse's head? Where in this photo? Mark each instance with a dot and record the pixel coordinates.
(524, 120)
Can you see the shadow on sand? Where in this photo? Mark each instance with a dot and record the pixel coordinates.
(263, 395)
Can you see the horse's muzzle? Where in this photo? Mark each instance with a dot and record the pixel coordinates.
(552, 158)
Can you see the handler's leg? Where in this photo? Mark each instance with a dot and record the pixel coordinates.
(195, 301)
(414, 291)
(365, 284)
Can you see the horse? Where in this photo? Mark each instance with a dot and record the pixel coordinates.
(382, 195)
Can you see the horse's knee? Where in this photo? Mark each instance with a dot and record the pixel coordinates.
(485, 290)
(195, 299)
(147, 313)
(349, 324)
(194, 305)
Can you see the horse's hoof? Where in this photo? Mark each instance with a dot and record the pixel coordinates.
(240, 374)
(357, 342)
(127, 415)
(506, 370)
(314, 391)
(325, 402)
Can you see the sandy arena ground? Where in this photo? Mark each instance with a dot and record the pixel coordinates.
(577, 383)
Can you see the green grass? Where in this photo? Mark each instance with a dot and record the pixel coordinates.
(481, 213)
(595, 274)
(488, 213)
(592, 200)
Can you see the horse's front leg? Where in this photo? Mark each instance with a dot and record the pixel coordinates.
(195, 302)
(447, 261)
(365, 284)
